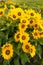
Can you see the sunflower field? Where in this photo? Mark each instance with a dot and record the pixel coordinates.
(21, 32)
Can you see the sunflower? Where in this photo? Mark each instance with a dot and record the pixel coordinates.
(36, 34)
(26, 47)
(1, 12)
(3, 5)
(22, 27)
(41, 34)
(31, 13)
(7, 51)
(24, 20)
(24, 37)
(26, 15)
(41, 24)
(17, 36)
(31, 22)
(36, 26)
(20, 12)
(13, 14)
(32, 51)
(38, 16)
(12, 7)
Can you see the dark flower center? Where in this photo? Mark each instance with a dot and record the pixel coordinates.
(31, 50)
(32, 14)
(27, 47)
(24, 21)
(19, 13)
(35, 34)
(22, 26)
(41, 33)
(18, 35)
(7, 52)
(23, 37)
(14, 16)
(1, 12)
(31, 21)
(36, 25)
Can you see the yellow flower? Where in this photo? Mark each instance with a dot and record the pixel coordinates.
(2, 5)
(12, 6)
(24, 37)
(36, 26)
(24, 20)
(22, 27)
(31, 22)
(7, 51)
(36, 34)
(41, 24)
(1, 12)
(17, 36)
(31, 13)
(26, 15)
(32, 51)
(13, 14)
(20, 12)
(26, 47)
(38, 16)
(41, 34)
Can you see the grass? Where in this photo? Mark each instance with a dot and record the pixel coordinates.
(40, 2)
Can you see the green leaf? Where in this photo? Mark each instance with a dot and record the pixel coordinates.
(18, 48)
(39, 50)
(41, 41)
(41, 62)
(5, 62)
(16, 61)
(24, 59)
(16, 22)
